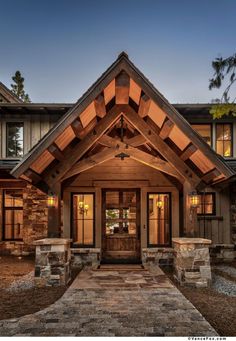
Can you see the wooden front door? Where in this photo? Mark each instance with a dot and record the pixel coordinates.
(121, 226)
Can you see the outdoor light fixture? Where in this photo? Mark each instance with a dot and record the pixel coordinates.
(51, 200)
(83, 208)
(194, 199)
(160, 203)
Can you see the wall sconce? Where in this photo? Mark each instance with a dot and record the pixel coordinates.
(83, 208)
(160, 203)
(194, 199)
(51, 201)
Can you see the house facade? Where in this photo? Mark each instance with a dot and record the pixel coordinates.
(120, 173)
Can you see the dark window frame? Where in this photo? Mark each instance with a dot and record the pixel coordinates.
(204, 124)
(7, 125)
(170, 220)
(9, 208)
(203, 204)
(75, 245)
(231, 141)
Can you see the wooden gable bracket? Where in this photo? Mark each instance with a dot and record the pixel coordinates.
(135, 141)
(157, 143)
(166, 128)
(56, 152)
(53, 176)
(99, 104)
(35, 177)
(144, 105)
(188, 151)
(138, 155)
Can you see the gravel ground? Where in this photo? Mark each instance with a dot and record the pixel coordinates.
(24, 283)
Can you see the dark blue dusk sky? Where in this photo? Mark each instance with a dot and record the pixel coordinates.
(62, 47)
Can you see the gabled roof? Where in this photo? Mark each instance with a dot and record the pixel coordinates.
(7, 96)
(122, 92)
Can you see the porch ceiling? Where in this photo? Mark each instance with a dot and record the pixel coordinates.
(122, 114)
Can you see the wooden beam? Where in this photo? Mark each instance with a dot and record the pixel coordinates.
(188, 151)
(56, 152)
(77, 127)
(139, 155)
(211, 175)
(100, 108)
(166, 128)
(144, 105)
(160, 145)
(35, 177)
(135, 141)
(122, 85)
(91, 162)
(53, 176)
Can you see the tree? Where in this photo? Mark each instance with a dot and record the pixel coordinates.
(224, 69)
(18, 87)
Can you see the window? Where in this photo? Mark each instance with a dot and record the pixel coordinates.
(83, 219)
(206, 204)
(224, 139)
(15, 145)
(205, 131)
(159, 233)
(12, 214)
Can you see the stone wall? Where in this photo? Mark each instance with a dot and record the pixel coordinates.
(158, 256)
(192, 261)
(52, 262)
(35, 221)
(85, 256)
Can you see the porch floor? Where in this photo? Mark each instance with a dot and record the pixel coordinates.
(115, 302)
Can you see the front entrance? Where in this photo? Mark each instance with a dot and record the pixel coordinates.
(121, 226)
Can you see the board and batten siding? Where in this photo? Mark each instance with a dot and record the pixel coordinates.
(35, 127)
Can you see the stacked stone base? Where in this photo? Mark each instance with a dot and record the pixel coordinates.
(16, 248)
(86, 257)
(222, 253)
(52, 262)
(192, 262)
(158, 256)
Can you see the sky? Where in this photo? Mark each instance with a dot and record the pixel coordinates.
(62, 46)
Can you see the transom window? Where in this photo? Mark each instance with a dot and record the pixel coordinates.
(206, 204)
(12, 214)
(83, 219)
(205, 131)
(224, 139)
(15, 143)
(159, 233)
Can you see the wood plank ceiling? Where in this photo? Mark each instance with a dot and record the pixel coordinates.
(122, 119)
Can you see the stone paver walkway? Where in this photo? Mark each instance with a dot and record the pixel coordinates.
(115, 302)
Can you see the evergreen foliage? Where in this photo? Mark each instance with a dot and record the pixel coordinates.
(18, 87)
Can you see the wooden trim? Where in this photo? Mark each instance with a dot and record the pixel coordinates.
(166, 128)
(188, 151)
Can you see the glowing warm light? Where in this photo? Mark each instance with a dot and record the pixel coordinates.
(194, 199)
(160, 203)
(51, 201)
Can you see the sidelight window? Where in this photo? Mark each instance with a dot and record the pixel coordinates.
(159, 233)
(83, 219)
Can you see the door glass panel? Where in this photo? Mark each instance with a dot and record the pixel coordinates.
(120, 212)
(83, 219)
(159, 219)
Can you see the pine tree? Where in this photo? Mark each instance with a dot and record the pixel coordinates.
(18, 87)
(224, 69)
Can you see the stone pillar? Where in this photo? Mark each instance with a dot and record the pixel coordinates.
(192, 261)
(52, 262)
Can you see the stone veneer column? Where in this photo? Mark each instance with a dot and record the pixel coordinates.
(192, 261)
(52, 262)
